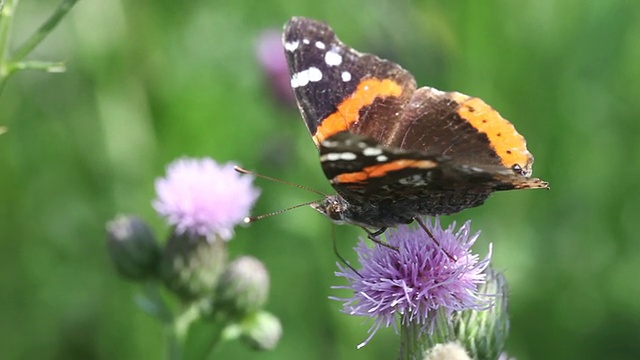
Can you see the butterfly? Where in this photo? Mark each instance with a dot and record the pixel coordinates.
(394, 152)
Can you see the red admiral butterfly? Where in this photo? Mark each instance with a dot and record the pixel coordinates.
(391, 151)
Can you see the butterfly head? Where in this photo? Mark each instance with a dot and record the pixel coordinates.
(333, 207)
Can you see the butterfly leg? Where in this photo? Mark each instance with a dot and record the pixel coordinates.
(373, 236)
(426, 229)
(335, 251)
(377, 232)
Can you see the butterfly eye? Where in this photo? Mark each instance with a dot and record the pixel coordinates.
(517, 169)
(334, 212)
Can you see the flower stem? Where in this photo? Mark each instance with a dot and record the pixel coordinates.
(9, 64)
(6, 15)
(53, 67)
(203, 336)
(184, 321)
(174, 351)
(178, 331)
(410, 348)
(415, 341)
(152, 303)
(43, 31)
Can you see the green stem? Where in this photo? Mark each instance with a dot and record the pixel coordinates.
(43, 31)
(36, 65)
(174, 351)
(6, 15)
(8, 64)
(191, 333)
(153, 303)
(203, 337)
(183, 322)
(410, 348)
(178, 332)
(415, 341)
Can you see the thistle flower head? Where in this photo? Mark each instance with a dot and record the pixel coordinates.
(202, 197)
(418, 278)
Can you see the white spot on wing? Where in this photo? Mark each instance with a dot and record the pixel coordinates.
(381, 158)
(330, 144)
(291, 45)
(346, 76)
(302, 78)
(348, 156)
(320, 45)
(332, 58)
(315, 74)
(305, 41)
(299, 79)
(371, 151)
(330, 157)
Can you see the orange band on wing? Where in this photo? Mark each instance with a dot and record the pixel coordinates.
(510, 146)
(348, 111)
(382, 170)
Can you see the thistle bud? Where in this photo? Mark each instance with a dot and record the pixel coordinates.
(484, 333)
(243, 288)
(261, 331)
(191, 264)
(132, 247)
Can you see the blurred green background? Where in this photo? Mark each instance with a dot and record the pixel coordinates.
(149, 81)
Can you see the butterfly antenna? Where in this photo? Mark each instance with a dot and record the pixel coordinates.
(249, 172)
(250, 219)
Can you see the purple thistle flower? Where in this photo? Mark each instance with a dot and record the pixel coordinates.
(201, 197)
(417, 279)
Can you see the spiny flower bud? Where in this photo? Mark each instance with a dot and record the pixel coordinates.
(261, 331)
(484, 333)
(243, 288)
(191, 264)
(132, 247)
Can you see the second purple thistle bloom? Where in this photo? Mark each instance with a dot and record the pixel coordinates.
(417, 279)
